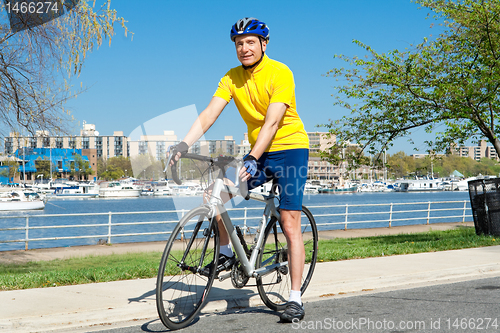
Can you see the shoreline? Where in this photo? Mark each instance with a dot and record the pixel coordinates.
(47, 254)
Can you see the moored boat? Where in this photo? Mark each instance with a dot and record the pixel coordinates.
(339, 189)
(20, 200)
(186, 189)
(83, 190)
(423, 184)
(311, 188)
(118, 190)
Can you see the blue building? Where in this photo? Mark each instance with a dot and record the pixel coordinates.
(63, 160)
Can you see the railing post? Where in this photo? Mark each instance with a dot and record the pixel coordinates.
(346, 215)
(390, 216)
(109, 228)
(428, 212)
(26, 240)
(463, 216)
(245, 222)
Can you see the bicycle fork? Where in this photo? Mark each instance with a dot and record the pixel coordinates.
(206, 235)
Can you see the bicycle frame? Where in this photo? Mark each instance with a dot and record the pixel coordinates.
(270, 210)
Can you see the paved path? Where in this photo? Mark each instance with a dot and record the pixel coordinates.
(101, 305)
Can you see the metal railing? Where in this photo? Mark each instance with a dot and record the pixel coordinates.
(108, 226)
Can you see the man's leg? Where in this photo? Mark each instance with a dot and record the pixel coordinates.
(290, 222)
(223, 235)
(226, 255)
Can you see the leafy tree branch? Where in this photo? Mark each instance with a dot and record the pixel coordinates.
(449, 82)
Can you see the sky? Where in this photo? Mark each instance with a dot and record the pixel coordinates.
(181, 49)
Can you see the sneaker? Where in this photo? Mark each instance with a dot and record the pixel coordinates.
(225, 263)
(293, 310)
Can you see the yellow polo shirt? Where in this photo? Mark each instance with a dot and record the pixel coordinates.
(253, 90)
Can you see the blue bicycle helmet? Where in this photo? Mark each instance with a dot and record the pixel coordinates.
(250, 25)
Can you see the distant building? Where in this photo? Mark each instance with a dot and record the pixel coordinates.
(244, 147)
(95, 146)
(475, 152)
(215, 147)
(153, 145)
(105, 146)
(62, 161)
(319, 141)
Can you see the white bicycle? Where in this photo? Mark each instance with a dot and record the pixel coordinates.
(183, 286)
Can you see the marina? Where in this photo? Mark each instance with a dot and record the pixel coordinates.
(74, 222)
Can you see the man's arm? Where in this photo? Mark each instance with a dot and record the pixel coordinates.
(275, 112)
(204, 121)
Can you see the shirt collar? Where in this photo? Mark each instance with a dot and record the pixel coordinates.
(261, 65)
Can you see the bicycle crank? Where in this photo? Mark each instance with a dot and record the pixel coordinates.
(238, 277)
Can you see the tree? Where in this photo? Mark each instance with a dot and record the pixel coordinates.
(451, 82)
(122, 163)
(37, 63)
(112, 172)
(42, 168)
(81, 167)
(13, 166)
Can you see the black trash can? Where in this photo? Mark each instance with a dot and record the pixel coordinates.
(485, 203)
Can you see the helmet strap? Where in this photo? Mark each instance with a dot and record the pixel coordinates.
(257, 62)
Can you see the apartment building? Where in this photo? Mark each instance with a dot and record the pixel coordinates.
(153, 145)
(96, 146)
(105, 146)
(215, 147)
(475, 152)
(319, 141)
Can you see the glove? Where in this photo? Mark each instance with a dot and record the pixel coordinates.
(181, 147)
(250, 164)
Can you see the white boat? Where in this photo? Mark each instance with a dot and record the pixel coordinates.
(42, 187)
(147, 191)
(311, 189)
(424, 184)
(83, 190)
(186, 189)
(400, 186)
(162, 188)
(118, 190)
(20, 200)
(376, 186)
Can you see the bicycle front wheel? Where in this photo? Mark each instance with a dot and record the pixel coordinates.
(182, 288)
(274, 288)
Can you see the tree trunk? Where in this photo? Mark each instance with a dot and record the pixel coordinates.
(496, 144)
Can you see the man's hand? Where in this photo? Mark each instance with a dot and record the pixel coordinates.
(177, 151)
(250, 168)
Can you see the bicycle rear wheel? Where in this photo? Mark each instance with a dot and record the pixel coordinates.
(181, 289)
(274, 288)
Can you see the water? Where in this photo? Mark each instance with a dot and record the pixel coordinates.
(97, 225)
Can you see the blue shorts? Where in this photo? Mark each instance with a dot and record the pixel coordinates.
(288, 168)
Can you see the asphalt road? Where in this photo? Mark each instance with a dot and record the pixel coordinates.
(458, 307)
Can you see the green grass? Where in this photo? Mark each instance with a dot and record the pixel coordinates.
(79, 270)
(432, 241)
(145, 265)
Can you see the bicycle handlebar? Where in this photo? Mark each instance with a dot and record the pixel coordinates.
(221, 162)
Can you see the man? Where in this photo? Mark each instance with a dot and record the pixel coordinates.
(264, 93)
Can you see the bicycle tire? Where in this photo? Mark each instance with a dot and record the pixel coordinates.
(274, 288)
(181, 290)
